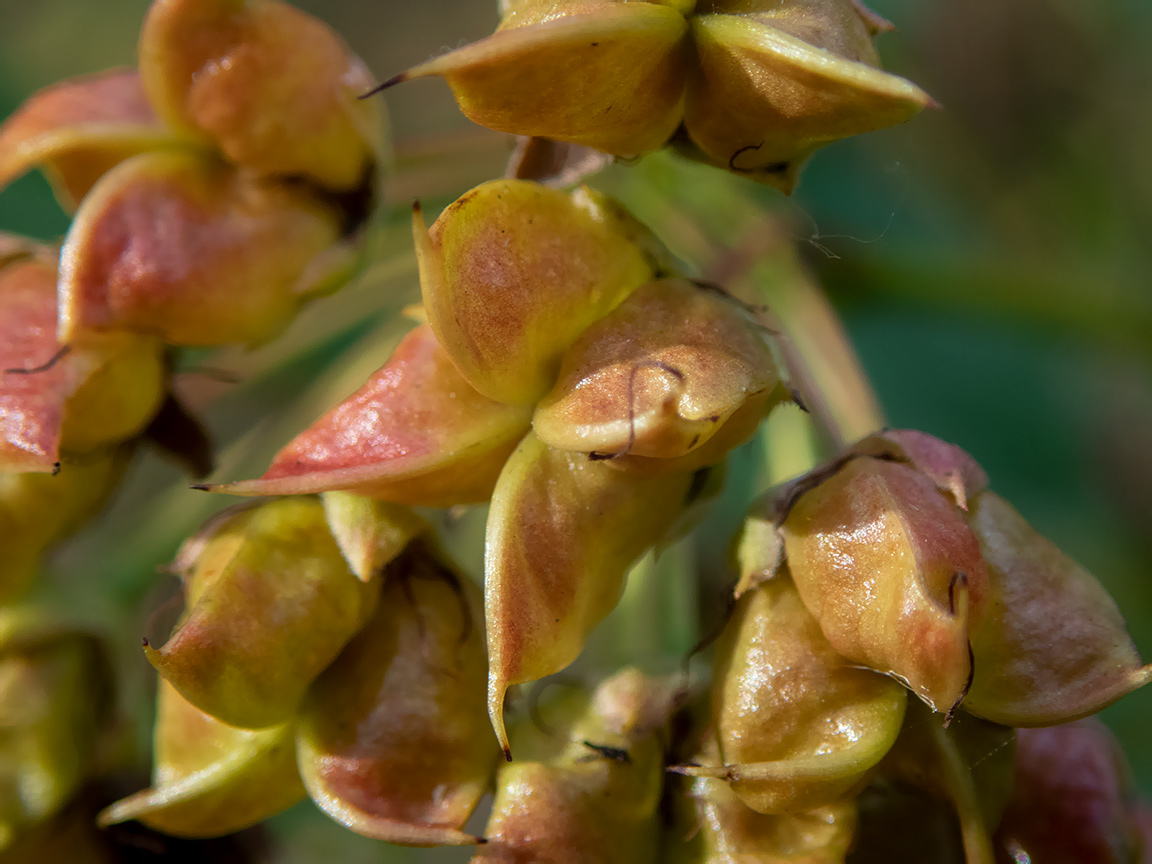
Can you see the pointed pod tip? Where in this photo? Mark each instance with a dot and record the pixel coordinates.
(391, 82)
(201, 487)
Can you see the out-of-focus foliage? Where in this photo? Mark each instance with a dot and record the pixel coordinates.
(990, 261)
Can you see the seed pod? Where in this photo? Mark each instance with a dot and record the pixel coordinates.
(798, 726)
(604, 74)
(715, 827)
(592, 791)
(416, 433)
(270, 602)
(178, 245)
(658, 376)
(270, 86)
(77, 130)
(562, 533)
(1073, 800)
(887, 566)
(38, 509)
(54, 701)
(74, 399)
(774, 85)
(1053, 647)
(369, 533)
(394, 740)
(210, 779)
(514, 272)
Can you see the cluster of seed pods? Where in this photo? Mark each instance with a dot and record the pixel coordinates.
(894, 621)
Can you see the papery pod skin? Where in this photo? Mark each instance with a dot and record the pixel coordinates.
(1053, 647)
(951, 468)
(394, 740)
(210, 779)
(592, 791)
(715, 827)
(968, 765)
(513, 272)
(54, 700)
(270, 602)
(562, 533)
(895, 577)
(77, 130)
(603, 74)
(369, 533)
(179, 245)
(798, 726)
(1074, 799)
(272, 87)
(75, 399)
(38, 509)
(658, 376)
(417, 433)
(775, 85)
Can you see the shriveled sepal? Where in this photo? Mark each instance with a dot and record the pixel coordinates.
(78, 129)
(658, 376)
(798, 726)
(562, 533)
(210, 779)
(592, 790)
(776, 85)
(55, 398)
(887, 565)
(1053, 647)
(603, 74)
(270, 602)
(417, 433)
(513, 272)
(394, 740)
(270, 86)
(181, 246)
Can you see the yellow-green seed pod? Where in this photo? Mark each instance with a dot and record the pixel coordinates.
(54, 701)
(269, 602)
(210, 779)
(270, 86)
(562, 533)
(394, 741)
(592, 788)
(513, 272)
(798, 726)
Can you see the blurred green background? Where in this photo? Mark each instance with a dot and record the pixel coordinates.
(991, 260)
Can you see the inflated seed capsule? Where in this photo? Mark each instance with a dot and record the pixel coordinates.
(1053, 646)
(271, 87)
(180, 245)
(563, 530)
(591, 781)
(393, 740)
(210, 779)
(269, 602)
(798, 726)
(886, 563)
(756, 86)
(78, 129)
(74, 398)
(661, 376)
(513, 272)
(54, 702)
